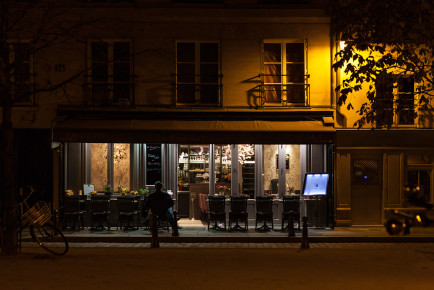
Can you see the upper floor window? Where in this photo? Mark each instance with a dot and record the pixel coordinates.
(198, 76)
(405, 101)
(395, 101)
(110, 79)
(22, 77)
(284, 73)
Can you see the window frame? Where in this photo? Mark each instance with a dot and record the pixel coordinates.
(30, 82)
(396, 96)
(284, 99)
(198, 83)
(419, 169)
(394, 82)
(109, 100)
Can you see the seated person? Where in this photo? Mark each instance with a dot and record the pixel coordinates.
(160, 203)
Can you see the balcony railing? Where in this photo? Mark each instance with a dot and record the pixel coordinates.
(109, 93)
(285, 94)
(23, 94)
(207, 92)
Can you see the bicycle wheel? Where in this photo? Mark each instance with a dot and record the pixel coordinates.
(50, 238)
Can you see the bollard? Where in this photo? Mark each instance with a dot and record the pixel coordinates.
(407, 226)
(304, 238)
(154, 231)
(56, 218)
(175, 225)
(291, 231)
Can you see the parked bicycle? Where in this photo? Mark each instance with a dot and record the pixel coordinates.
(37, 218)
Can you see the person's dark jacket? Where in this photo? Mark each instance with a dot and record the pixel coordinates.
(158, 202)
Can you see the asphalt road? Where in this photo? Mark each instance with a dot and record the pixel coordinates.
(323, 266)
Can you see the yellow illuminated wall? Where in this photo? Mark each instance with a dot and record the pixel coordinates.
(292, 174)
(98, 165)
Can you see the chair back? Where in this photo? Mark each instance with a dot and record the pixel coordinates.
(264, 204)
(71, 204)
(202, 202)
(127, 204)
(238, 204)
(100, 204)
(274, 188)
(291, 203)
(216, 203)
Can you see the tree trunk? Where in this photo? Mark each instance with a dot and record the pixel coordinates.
(9, 244)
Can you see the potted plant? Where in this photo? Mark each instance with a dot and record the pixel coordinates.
(123, 190)
(108, 189)
(144, 191)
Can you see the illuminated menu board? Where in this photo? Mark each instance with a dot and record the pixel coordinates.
(315, 184)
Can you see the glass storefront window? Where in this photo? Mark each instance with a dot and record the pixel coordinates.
(246, 158)
(271, 168)
(98, 165)
(223, 163)
(121, 165)
(223, 172)
(271, 176)
(193, 165)
(292, 172)
(420, 178)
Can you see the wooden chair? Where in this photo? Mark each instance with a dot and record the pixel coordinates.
(203, 206)
(217, 211)
(290, 203)
(99, 211)
(264, 211)
(72, 211)
(238, 213)
(129, 211)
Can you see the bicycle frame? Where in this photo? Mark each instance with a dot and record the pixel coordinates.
(37, 218)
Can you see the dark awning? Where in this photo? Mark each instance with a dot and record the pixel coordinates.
(193, 132)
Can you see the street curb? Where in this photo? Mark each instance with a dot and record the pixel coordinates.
(238, 239)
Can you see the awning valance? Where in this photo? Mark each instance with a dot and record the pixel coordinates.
(193, 132)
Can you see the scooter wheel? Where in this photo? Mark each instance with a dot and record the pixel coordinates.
(394, 227)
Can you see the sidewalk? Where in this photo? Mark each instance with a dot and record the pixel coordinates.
(194, 231)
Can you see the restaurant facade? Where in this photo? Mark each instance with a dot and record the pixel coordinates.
(210, 95)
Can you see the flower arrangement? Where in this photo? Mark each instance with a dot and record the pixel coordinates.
(107, 186)
(223, 190)
(227, 177)
(123, 190)
(144, 191)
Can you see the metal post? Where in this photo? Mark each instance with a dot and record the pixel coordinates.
(407, 226)
(175, 224)
(304, 238)
(291, 231)
(154, 231)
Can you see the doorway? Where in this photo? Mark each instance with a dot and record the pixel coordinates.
(366, 193)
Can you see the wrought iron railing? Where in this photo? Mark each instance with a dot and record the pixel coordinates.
(207, 92)
(284, 93)
(109, 93)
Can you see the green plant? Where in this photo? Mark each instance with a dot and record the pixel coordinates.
(107, 186)
(144, 191)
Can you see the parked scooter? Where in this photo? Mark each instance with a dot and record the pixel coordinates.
(402, 220)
